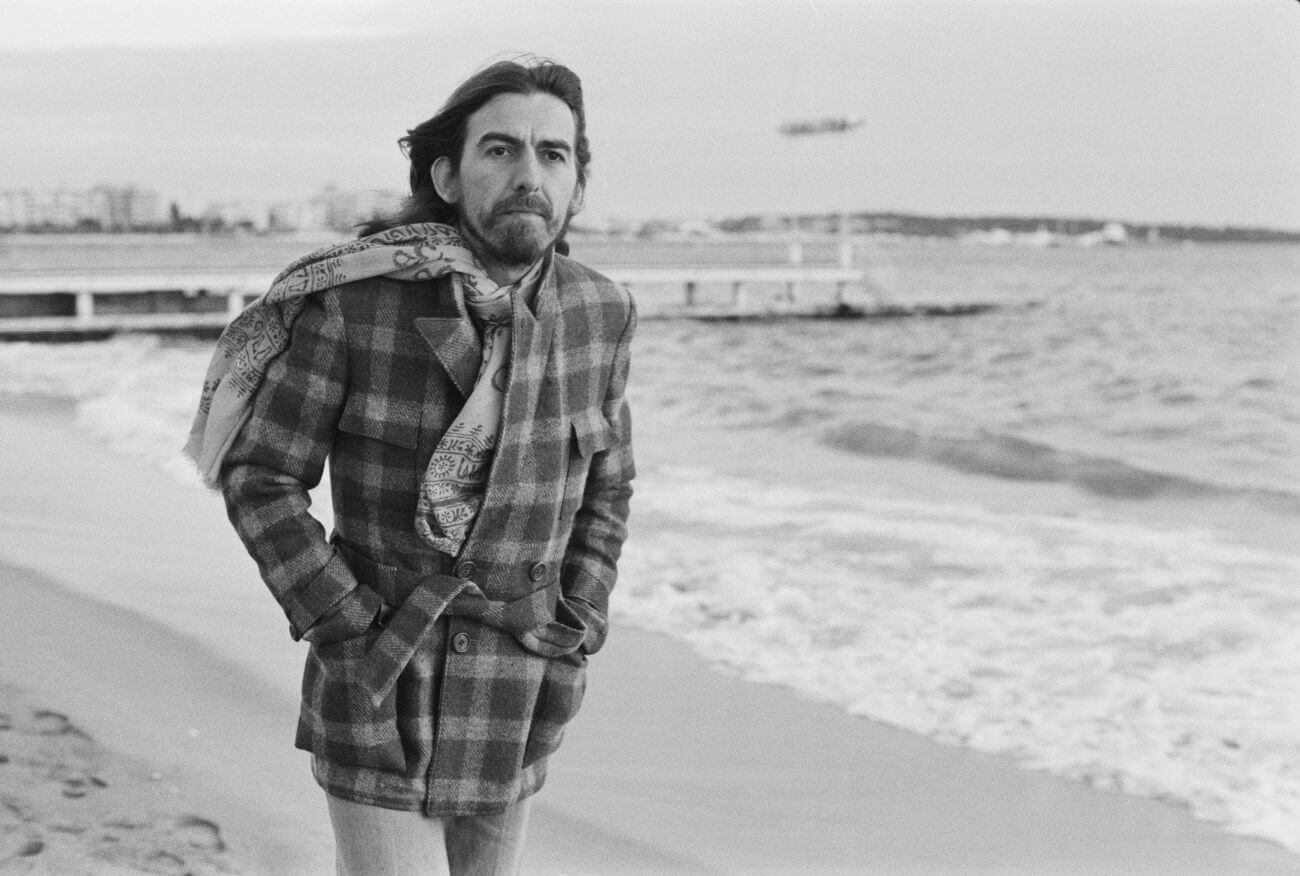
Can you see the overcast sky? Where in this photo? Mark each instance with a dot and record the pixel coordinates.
(1182, 110)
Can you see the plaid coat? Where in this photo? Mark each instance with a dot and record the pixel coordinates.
(452, 702)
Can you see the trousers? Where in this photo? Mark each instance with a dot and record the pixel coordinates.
(373, 841)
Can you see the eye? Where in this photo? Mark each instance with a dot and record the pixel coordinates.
(498, 151)
(554, 156)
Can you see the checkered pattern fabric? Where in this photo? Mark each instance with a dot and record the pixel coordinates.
(453, 707)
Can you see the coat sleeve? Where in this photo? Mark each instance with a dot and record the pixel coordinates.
(590, 565)
(279, 455)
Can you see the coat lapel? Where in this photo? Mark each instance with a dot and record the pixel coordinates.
(533, 334)
(530, 350)
(454, 343)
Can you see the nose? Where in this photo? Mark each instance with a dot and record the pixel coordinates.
(528, 177)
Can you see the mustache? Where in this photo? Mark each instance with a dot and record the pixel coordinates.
(531, 203)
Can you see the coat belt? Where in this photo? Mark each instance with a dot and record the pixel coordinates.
(540, 621)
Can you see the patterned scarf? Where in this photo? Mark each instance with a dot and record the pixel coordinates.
(456, 478)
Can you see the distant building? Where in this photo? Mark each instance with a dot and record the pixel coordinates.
(330, 209)
(101, 208)
(54, 209)
(298, 216)
(125, 208)
(13, 209)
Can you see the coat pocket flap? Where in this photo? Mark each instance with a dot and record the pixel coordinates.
(391, 420)
(592, 433)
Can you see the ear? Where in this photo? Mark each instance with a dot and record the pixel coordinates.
(579, 199)
(445, 181)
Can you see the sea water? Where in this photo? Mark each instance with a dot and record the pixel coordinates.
(1102, 636)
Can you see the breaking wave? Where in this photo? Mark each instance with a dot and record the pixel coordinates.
(1019, 459)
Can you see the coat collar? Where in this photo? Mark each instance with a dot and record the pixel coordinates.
(455, 344)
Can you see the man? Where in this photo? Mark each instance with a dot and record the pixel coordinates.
(465, 383)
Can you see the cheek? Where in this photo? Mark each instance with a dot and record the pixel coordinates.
(564, 189)
(481, 188)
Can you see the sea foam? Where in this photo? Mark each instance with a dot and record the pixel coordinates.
(1159, 663)
(134, 393)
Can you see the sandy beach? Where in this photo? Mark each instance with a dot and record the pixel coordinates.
(170, 722)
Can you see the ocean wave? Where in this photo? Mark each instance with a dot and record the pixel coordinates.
(1019, 459)
(1156, 662)
(136, 394)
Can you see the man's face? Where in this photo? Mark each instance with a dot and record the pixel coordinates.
(517, 183)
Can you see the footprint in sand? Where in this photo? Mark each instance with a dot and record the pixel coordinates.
(47, 723)
(53, 818)
(183, 844)
(12, 813)
(76, 782)
(43, 722)
(76, 778)
(15, 847)
(199, 833)
(165, 859)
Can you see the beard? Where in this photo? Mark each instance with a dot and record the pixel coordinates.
(507, 236)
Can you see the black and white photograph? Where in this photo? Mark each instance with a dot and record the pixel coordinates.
(600, 437)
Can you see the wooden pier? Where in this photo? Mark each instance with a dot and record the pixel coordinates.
(103, 303)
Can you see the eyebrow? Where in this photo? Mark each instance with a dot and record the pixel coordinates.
(509, 140)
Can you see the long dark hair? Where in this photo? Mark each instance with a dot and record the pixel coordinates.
(444, 134)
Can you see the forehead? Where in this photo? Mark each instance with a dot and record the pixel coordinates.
(530, 118)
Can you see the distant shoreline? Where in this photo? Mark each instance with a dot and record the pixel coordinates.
(1043, 230)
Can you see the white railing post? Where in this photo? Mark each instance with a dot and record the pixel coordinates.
(85, 304)
(846, 241)
(234, 303)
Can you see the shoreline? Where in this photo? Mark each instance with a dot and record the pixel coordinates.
(698, 772)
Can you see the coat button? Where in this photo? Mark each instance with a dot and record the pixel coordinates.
(466, 569)
(537, 572)
(460, 643)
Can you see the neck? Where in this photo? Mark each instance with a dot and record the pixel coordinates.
(504, 275)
